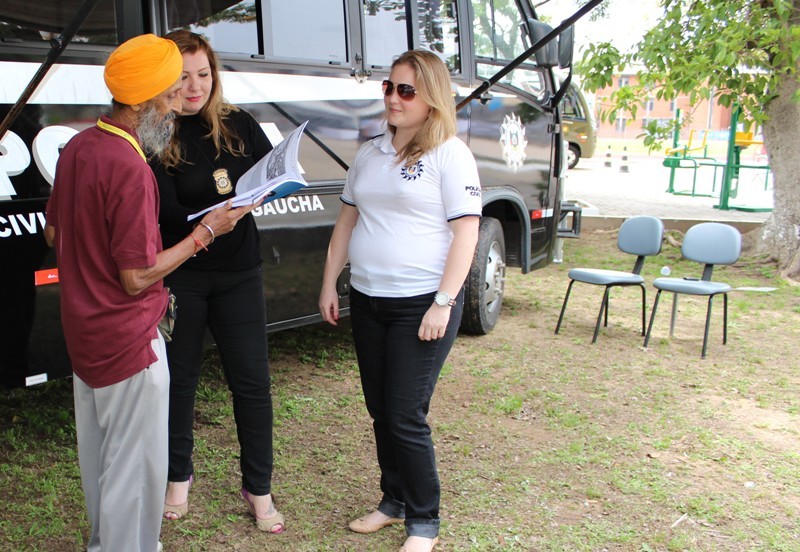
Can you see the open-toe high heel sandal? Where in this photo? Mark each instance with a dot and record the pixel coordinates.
(174, 512)
(274, 524)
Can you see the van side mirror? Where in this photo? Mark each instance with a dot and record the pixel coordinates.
(547, 55)
(566, 44)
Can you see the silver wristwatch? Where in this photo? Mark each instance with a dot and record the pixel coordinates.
(443, 300)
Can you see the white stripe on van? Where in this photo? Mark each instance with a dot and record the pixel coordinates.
(84, 85)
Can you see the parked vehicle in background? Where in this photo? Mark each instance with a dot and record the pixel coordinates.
(580, 125)
(285, 61)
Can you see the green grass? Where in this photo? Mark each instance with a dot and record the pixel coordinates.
(544, 442)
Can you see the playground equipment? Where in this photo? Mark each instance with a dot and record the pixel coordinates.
(682, 157)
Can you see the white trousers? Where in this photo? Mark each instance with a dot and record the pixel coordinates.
(122, 451)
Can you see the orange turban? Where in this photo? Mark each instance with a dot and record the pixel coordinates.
(142, 68)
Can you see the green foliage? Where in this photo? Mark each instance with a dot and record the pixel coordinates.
(724, 50)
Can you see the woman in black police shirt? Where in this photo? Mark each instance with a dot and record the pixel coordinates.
(213, 145)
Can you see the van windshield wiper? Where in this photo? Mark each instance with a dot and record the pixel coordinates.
(568, 22)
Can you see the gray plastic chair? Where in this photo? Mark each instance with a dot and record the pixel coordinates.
(710, 243)
(640, 236)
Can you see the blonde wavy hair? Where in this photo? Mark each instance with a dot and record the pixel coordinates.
(433, 88)
(214, 112)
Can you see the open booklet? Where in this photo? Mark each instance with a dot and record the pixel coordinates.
(276, 175)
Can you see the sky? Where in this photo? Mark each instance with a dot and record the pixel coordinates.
(625, 23)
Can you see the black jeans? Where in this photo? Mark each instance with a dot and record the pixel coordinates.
(398, 375)
(231, 304)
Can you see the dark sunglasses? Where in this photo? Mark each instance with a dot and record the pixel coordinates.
(405, 91)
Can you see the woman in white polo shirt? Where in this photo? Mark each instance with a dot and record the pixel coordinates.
(408, 225)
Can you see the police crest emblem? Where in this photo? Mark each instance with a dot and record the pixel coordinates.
(223, 181)
(512, 141)
(413, 172)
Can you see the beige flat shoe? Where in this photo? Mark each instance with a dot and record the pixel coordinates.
(419, 544)
(274, 524)
(362, 525)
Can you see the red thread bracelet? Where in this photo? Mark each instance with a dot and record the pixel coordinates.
(198, 243)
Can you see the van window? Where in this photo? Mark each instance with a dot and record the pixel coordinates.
(528, 80)
(572, 106)
(321, 37)
(498, 33)
(498, 37)
(46, 19)
(231, 28)
(438, 31)
(385, 32)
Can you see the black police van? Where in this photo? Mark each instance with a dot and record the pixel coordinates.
(285, 61)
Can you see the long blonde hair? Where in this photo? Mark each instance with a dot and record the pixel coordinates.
(433, 88)
(214, 112)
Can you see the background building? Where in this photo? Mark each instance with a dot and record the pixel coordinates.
(708, 115)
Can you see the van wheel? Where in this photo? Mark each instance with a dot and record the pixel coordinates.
(573, 156)
(485, 285)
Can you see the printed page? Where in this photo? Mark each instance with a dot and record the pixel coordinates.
(275, 175)
(278, 164)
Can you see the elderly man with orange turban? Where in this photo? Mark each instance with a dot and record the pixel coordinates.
(102, 219)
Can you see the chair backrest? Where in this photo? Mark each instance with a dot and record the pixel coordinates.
(641, 235)
(712, 243)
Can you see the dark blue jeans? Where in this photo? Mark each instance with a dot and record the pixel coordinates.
(398, 376)
(231, 304)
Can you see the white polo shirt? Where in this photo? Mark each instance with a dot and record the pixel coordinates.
(400, 243)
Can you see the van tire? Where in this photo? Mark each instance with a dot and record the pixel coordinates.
(485, 285)
(573, 156)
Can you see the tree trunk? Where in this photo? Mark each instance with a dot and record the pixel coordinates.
(781, 231)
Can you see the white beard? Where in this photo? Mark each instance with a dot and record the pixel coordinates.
(155, 130)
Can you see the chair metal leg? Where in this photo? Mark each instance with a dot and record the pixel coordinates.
(725, 319)
(603, 308)
(708, 324)
(674, 315)
(652, 317)
(644, 306)
(608, 301)
(564, 305)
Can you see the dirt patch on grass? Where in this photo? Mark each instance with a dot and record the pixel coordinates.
(776, 430)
